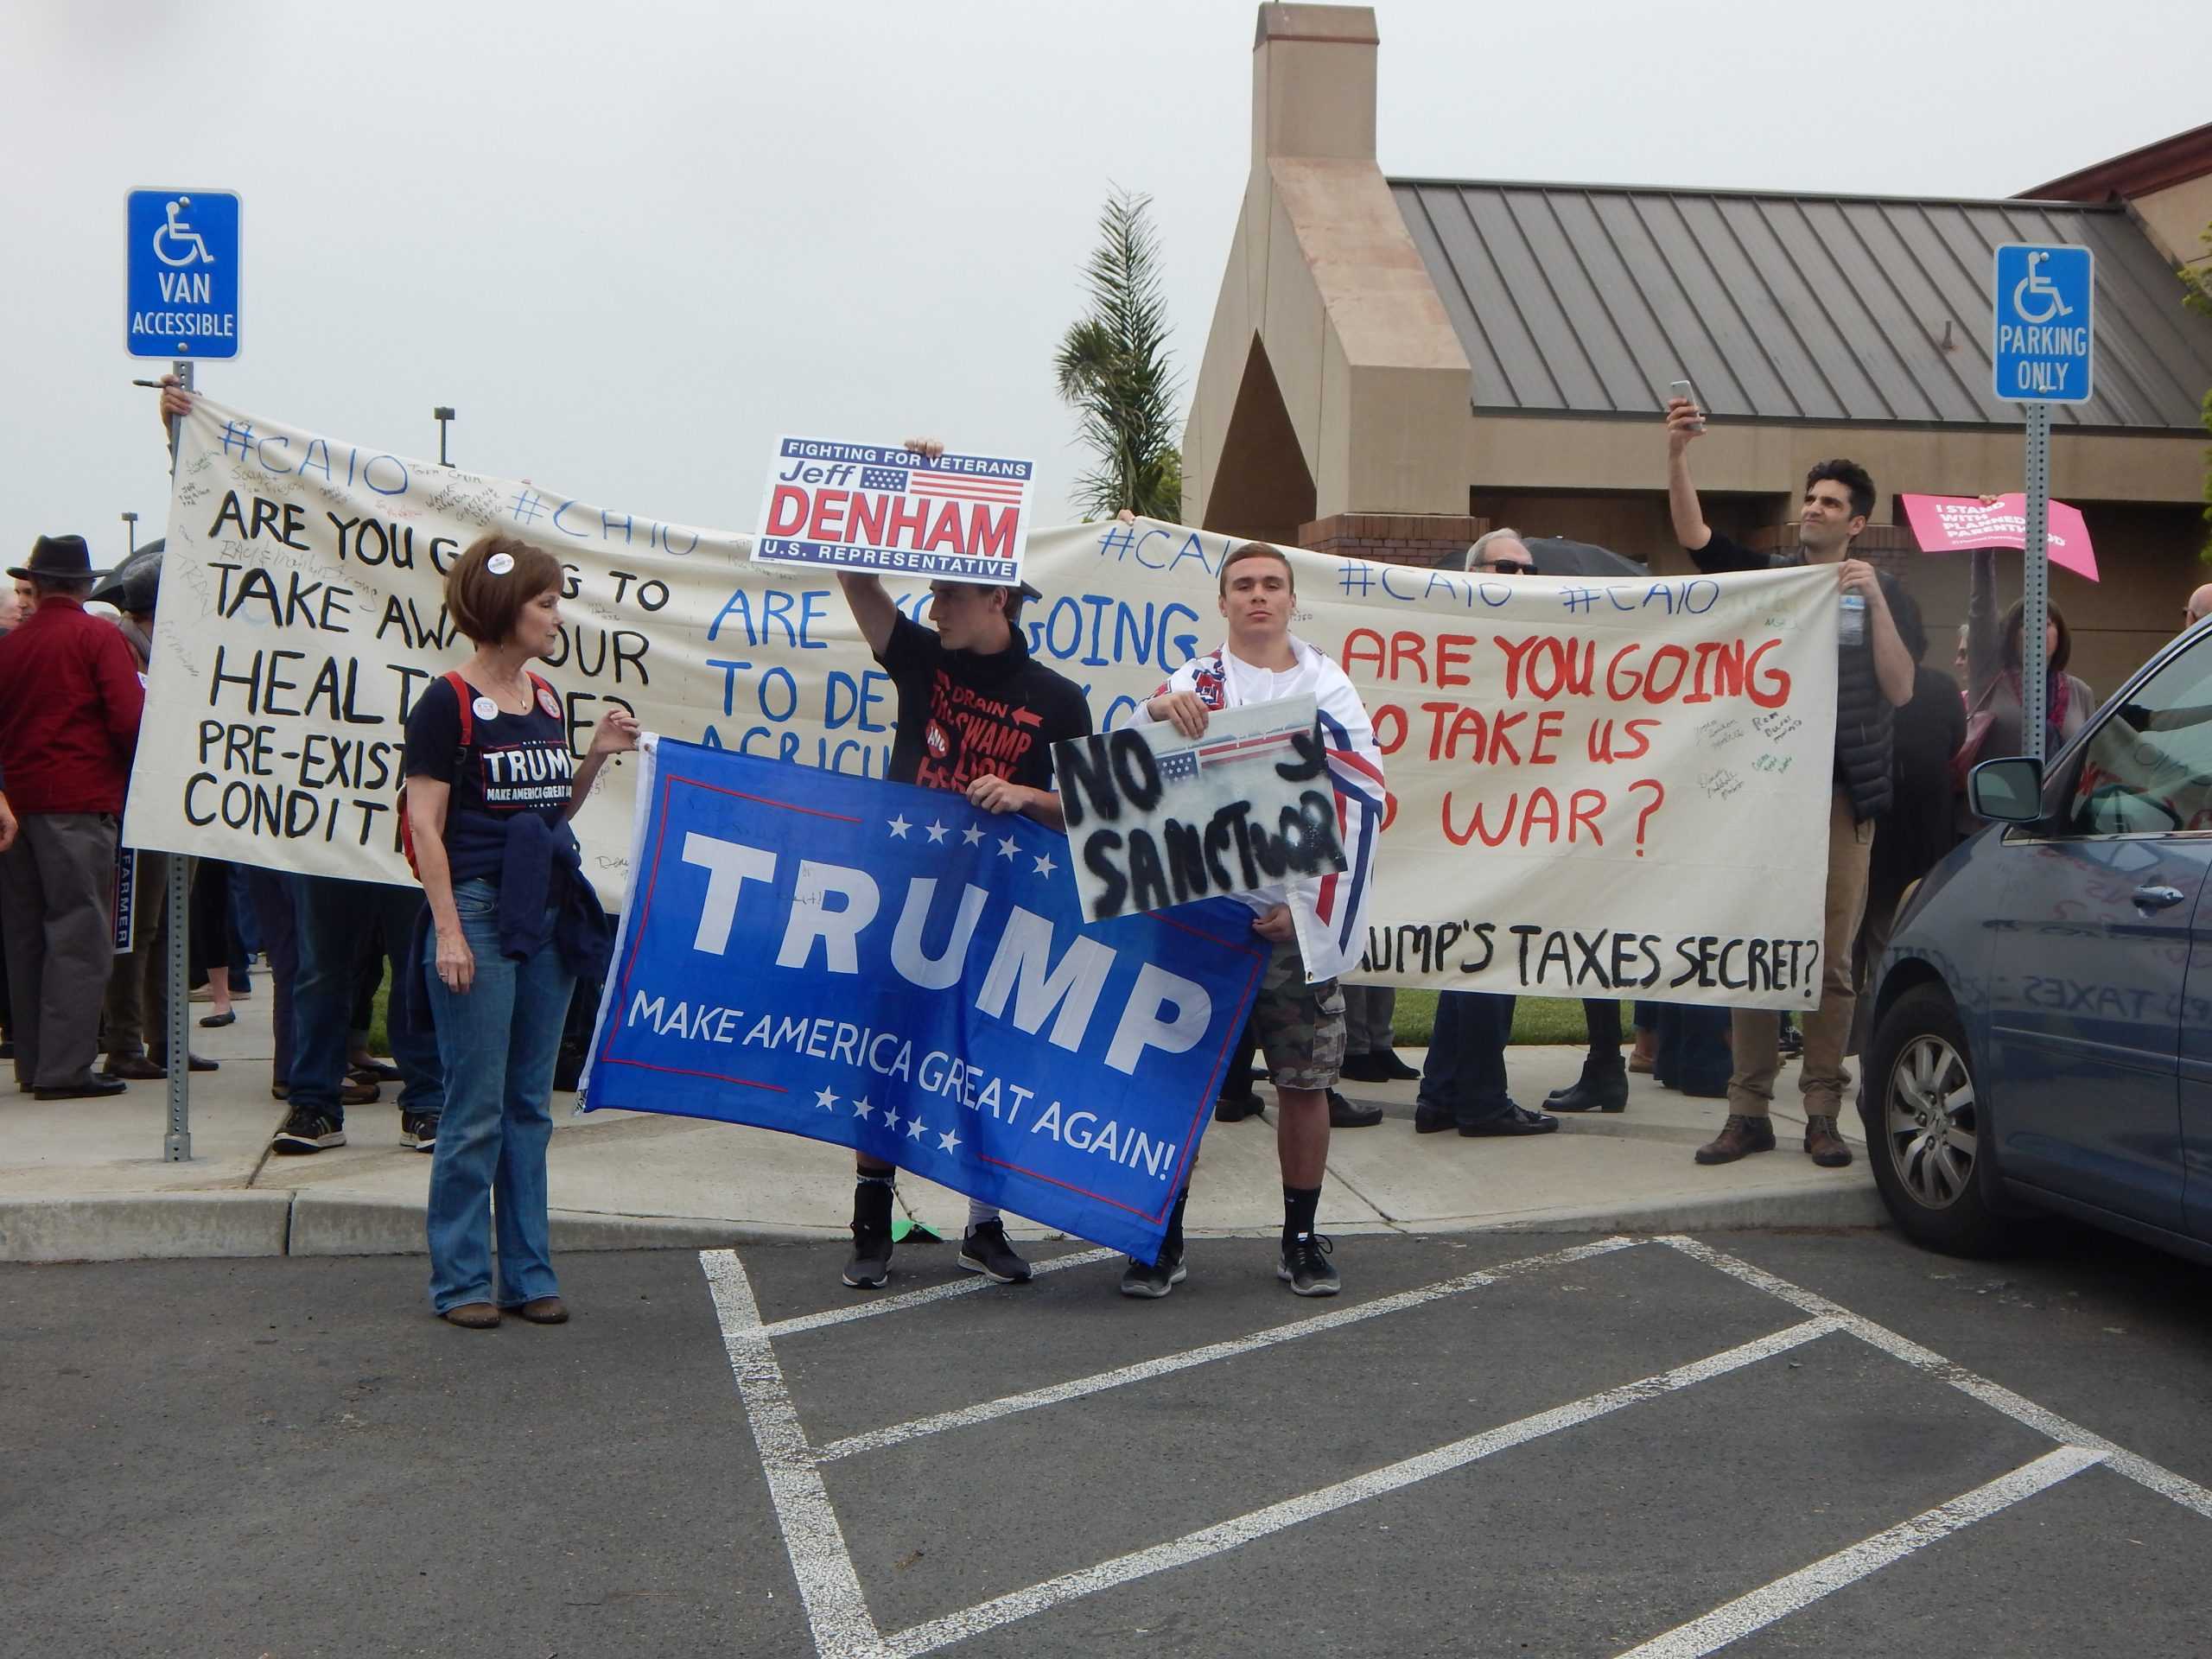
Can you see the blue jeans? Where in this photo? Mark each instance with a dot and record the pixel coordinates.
(333, 916)
(271, 892)
(498, 1040)
(1465, 1073)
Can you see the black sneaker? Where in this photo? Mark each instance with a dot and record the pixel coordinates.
(1152, 1278)
(308, 1129)
(871, 1263)
(984, 1249)
(418, 1130)
(1305, 1267)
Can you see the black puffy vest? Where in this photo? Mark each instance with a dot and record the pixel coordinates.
(1865, 718)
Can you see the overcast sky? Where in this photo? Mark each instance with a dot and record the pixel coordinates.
(632, 243)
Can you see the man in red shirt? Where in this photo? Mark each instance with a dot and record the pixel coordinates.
(70, 699)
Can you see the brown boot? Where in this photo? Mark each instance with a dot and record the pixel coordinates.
(1822, 1144)
(1739, 1136)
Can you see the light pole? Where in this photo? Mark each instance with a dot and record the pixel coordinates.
(442, 414)
(130, 529)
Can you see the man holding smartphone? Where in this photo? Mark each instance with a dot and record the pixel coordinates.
(1874, 677)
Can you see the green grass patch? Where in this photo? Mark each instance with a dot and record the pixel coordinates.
(1536, 1019)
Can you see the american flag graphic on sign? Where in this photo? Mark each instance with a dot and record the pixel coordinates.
(916, 480)
(962, 488)
(1179, 765)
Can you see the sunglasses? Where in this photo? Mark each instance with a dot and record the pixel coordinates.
(1508, 568)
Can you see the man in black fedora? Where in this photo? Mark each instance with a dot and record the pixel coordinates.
(71, 696)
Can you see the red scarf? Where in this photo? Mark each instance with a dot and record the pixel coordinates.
(2059, 697)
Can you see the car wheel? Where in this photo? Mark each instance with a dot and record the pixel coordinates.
(1927, 1123)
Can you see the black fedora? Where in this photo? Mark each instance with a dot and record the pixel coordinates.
(60, 557)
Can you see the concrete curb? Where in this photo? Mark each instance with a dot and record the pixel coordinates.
(129, 1227)
(169, 1226)
(342, 1224)
(1780, 1206)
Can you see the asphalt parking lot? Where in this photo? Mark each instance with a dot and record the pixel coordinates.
(1825, 1444)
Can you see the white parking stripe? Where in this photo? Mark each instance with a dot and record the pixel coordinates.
(1734, 1620)
(900, 1303)
(1261, 1523)
(2152, 1476)
(836, 1608)
(1144, 1370)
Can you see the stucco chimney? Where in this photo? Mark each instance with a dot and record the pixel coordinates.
(1313, 83)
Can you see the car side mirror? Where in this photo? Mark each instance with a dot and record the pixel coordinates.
(2008, 791)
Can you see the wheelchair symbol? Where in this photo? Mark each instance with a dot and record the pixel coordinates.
(176, 243)
(2035, 284)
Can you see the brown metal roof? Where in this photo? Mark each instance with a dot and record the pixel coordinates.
(2156, 167)
(1585, 299)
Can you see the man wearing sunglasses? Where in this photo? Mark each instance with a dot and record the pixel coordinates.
(1502, 553)
(1463, 1081)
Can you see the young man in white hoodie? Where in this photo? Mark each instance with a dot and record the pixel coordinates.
(1315, 927)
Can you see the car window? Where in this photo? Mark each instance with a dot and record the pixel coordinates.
(2147, 767)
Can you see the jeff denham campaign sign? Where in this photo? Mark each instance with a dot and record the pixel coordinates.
(865, 507)
(894, 970)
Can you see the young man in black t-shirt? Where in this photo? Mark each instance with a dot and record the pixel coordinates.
(978, 717)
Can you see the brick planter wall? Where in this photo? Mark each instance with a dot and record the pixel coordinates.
(1426, 539)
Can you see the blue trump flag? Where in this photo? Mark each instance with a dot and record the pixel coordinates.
(892, 970)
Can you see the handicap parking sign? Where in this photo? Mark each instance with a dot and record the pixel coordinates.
(2045, 304)
(183, 264)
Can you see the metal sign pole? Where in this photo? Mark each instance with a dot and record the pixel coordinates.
(177, 1147)
(2035, 586)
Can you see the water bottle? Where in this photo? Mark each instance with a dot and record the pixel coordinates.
(1852, 629)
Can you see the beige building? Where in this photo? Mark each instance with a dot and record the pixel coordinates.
(1395, 364)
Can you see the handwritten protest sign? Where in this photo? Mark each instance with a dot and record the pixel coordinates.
(1594, 785)
(892, 970)
(1953, 524)
(862, 507)
(1155, 819)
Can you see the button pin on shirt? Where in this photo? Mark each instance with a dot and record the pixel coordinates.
(485, 709)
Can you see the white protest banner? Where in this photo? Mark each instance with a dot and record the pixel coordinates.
(1156, 819)
(1618, 784)
(864, 506)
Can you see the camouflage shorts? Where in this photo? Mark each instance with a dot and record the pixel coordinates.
(1300, 1027)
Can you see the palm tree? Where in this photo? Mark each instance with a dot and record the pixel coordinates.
(1112, 369)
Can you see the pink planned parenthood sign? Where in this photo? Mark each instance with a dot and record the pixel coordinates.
(1953, 524)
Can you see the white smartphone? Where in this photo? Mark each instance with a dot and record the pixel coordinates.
(1681, 388)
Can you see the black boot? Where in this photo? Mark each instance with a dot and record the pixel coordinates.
(1603, 1087)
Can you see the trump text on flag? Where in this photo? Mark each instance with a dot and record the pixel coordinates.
(897, 971)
